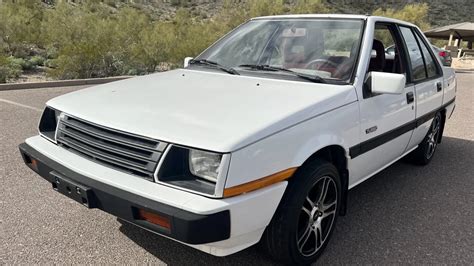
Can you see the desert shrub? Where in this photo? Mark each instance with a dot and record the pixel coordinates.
(414, 13)
(51, 53)
(86, 42)
(37, 60)
(97, 38)
(4, 70)
(51, 63)
(19, 25)
(9, 68)
(310, 7)
(23, 64)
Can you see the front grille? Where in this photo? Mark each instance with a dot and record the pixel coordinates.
(120, 150)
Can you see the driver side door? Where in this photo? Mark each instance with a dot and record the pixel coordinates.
(385, 119)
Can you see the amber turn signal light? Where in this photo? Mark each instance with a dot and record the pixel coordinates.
(154, 218)
(259, 183)
(32, 163)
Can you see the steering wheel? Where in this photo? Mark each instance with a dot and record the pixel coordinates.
(322, 62)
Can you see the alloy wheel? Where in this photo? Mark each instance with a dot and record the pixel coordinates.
(433, 136)
(317, 216)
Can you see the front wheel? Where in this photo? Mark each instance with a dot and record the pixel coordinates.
(305, 219)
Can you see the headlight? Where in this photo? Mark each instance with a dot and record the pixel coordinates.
(48, 123)
(193, 170)
(205, 164)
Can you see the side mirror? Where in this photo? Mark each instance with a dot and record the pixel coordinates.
(387, 83)
(186, 61)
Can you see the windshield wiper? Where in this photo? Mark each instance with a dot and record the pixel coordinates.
(313, 78)
(214, 64)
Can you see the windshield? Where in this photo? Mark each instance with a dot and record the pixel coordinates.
(325, 48)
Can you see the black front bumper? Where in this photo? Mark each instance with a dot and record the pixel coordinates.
(185, 226)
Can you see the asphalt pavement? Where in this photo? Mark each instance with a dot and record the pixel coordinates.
(405, 214)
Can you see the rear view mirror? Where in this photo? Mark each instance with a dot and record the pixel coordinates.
(387, 83)
(186, 61)
(294, 32)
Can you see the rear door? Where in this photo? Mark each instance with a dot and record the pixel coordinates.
(426, 75)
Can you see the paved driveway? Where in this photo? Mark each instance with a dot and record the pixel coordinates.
(405, 214)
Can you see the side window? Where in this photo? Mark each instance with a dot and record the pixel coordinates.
(414, 53)
(429, 60)
(385, 56)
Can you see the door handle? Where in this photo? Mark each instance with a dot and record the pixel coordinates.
(410, 97)
(439, 86)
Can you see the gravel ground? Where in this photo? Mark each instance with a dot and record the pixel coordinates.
(405, 214)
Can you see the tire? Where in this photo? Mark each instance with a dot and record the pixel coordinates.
(305, 212)
(427, 148)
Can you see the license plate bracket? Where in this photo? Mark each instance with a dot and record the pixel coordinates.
(73, 190)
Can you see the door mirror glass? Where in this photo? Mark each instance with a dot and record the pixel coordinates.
(387, 83)
(186, 61)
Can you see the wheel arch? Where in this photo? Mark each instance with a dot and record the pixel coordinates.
(338, 156)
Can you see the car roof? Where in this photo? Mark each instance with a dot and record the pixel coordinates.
(296, 16)
(334, 16)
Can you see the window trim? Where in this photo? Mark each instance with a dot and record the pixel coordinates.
(400, 46)
(404, 59)
(421, 52)
(406, 55)
(355, 67)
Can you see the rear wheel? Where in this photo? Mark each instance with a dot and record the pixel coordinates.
(427, 148)
(305, 219)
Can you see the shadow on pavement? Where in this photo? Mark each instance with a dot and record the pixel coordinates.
(405, 214)
(174, 253)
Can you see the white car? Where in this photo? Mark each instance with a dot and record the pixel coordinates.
(259, 138)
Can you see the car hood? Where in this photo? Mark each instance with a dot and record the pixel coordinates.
(202, 109)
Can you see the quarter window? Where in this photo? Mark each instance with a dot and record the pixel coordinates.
(429, 60)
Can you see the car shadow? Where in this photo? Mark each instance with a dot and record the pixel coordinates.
(174, 253)
(391, 217)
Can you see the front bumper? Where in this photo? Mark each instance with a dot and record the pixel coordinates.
(249, 213)
(187, 227)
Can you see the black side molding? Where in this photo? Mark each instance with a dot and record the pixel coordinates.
(374, 142)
